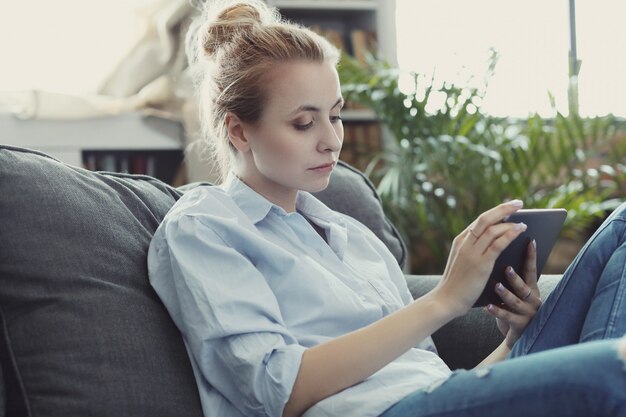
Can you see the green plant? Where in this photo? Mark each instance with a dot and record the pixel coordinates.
(446, 165)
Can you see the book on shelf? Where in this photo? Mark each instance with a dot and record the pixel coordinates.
(162, 164)
(361, 143)
(363, 42)
(336, 37)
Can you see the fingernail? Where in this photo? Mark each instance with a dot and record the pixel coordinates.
(534, 242)
(490, 307)
(520, 226)
(499, 287)
(516, 203)
(509, 270)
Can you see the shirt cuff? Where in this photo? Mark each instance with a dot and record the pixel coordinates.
(281, 366)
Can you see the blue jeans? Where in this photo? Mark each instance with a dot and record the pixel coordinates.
(567, 362)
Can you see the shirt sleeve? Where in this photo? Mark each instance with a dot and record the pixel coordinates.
(228, 315)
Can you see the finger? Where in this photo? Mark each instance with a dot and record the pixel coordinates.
(501, 242)
(516, 282)
(493, 216)
(530, 267)
(512, 301)
(514, 321)
(525, 292)
(492, 233)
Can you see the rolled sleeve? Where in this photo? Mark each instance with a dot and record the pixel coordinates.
(255, 380)
(227, 313)
(281, 369)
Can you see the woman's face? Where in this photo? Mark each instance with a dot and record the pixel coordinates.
(295, 144)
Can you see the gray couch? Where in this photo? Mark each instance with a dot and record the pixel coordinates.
(81, 331)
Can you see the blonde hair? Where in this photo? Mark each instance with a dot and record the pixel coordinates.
(231, 46)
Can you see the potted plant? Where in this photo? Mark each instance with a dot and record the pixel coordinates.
(443, 165)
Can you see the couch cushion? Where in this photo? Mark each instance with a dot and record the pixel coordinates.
(350, 192)
(84, 333)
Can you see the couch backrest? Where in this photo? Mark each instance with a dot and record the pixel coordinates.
(82, 332)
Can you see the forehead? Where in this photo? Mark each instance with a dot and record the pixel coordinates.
(290, 85)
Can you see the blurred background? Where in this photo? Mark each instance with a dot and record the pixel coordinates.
(454, 106)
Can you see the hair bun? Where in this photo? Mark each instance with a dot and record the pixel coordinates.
(236, 18)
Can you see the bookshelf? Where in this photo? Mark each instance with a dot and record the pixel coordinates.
(355, 26)
(132, 142)
(345, 16)
(162, 164)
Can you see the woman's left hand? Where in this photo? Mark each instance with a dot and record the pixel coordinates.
(520, 305)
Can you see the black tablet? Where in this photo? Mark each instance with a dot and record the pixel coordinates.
(544, 226)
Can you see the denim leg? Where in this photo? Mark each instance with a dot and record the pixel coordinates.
(589, 302)
(581, 380)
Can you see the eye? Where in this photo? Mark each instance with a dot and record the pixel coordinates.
(335, 119)
(303, 126)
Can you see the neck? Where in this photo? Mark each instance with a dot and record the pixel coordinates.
(284, 198)
(287, 202)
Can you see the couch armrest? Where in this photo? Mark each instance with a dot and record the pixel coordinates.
(467, 340)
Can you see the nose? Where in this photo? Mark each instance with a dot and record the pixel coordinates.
(331, 137)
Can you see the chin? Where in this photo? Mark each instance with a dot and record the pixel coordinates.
(317, 186)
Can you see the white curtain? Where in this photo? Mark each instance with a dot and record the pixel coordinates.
(150, 78)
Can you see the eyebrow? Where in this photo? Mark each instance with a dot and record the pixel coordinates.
(308, 107)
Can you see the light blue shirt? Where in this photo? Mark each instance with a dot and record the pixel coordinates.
(251, 287)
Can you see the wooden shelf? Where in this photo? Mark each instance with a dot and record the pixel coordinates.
(324, 4)
(126, 131)
(83, 142)
(355, 26)
(358, 115)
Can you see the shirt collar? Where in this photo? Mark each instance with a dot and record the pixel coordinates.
(314, 209)
(253, 204)
(332, 222)
(257, 207)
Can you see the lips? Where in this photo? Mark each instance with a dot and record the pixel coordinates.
(323, 166)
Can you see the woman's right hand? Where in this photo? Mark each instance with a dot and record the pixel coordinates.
(473, 255)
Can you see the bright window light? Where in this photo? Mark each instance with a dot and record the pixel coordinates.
(67, 46)
(72, 45)
(453, 38)
(601, 41)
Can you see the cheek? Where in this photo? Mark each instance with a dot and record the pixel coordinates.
(339, 130)
(280, 148)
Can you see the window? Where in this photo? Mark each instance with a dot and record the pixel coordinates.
(601, 39)
(453, 38)
(65, 46)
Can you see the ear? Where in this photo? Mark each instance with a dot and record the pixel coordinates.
(236, 134)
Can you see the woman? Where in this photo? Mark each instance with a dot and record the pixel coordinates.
(287, 307)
